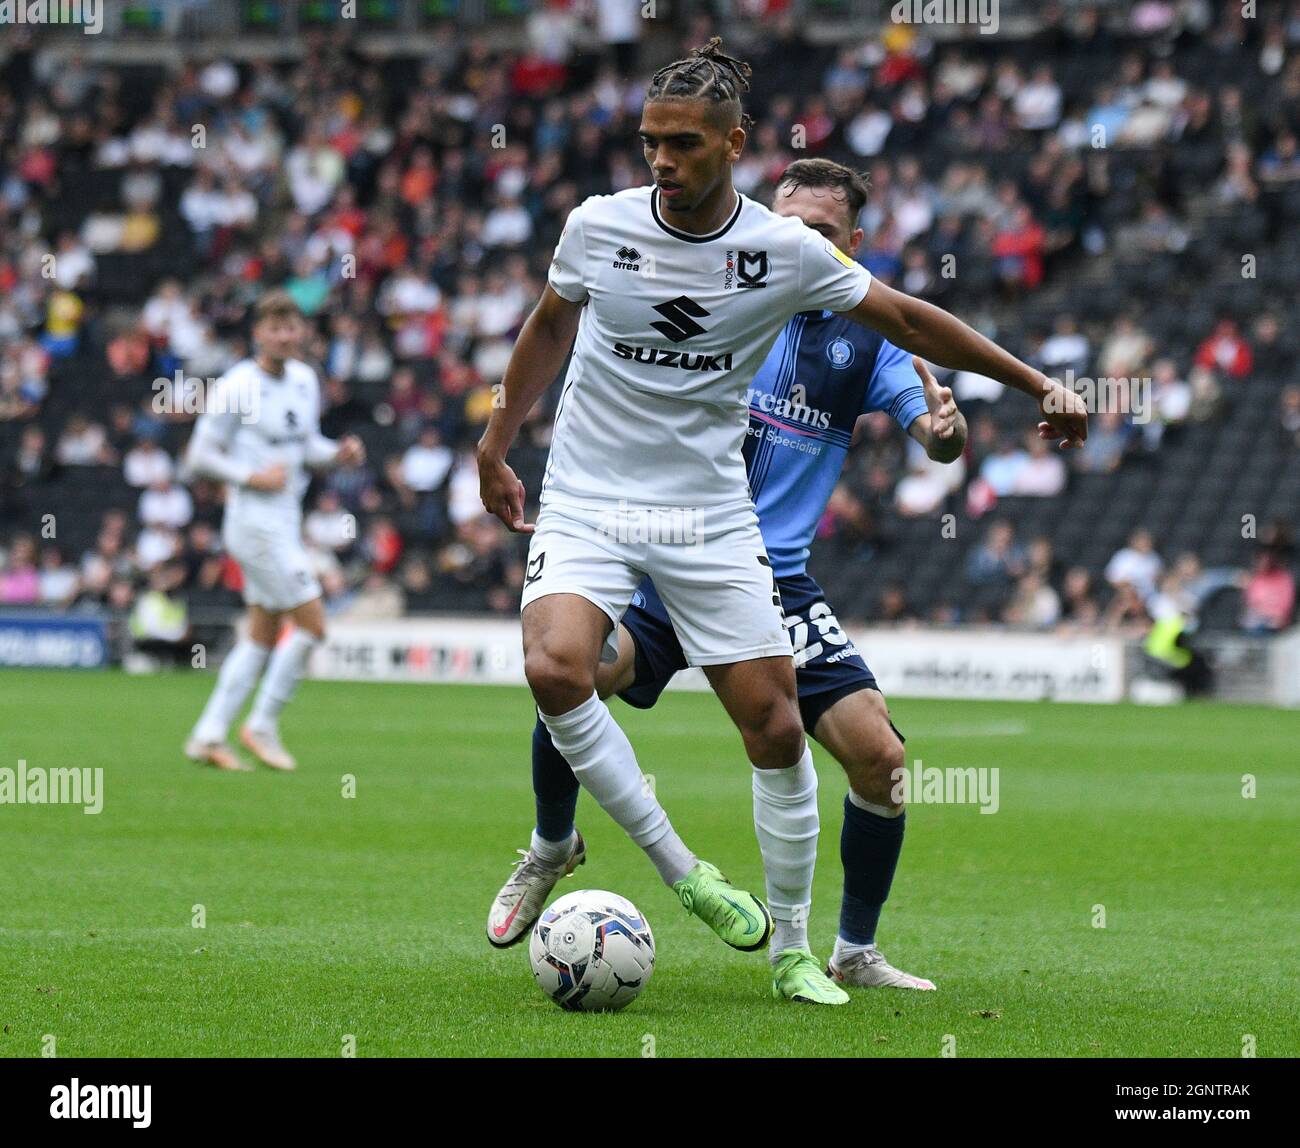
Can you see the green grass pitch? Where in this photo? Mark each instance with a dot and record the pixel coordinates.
(329, 917)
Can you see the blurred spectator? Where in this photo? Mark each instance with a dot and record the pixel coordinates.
(147, 464)
(1034, 604)
(1136, 565)
(894, 608)
(1269, 594)
(998, 559)
(1125, 613)
(84, 443)
(20, 582)
(377, 599)
(1225, 352)
(1125, 350)
(159, 621)
(1078, 603)
(166, 505)
(328, 525)
(1108, 437)
(425, 465)
(1065, 350)
(1003, 468)
(925, 486)
(618, 23)
(1289, 413)
(58, 584)
(1043, 474)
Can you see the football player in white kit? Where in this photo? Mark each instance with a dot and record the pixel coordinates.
(675, 294)
(260, 434)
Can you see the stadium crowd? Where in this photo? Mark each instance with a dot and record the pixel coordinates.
(410, 206)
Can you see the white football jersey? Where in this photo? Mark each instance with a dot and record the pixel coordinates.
(675, 326)
(252, 420)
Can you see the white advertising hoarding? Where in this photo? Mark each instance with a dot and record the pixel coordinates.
(908, 663)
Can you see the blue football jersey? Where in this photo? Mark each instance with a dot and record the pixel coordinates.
(821, 374)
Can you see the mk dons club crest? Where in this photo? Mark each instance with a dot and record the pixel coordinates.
(751, 269)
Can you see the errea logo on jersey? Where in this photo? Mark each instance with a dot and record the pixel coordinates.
(626, 259)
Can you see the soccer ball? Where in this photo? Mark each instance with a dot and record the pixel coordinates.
(592, 951)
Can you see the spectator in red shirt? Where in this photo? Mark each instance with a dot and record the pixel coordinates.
(1225, 352)
(1019, 250)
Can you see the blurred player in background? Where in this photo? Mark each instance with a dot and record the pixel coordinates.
(260, 435)
(822, 373)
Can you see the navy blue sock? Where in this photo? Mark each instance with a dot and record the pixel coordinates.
(869, 849)
(555, 789)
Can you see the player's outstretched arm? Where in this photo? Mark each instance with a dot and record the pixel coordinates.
(942, 338)
(537, 358)
(942, 429)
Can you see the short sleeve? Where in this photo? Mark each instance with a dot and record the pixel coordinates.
(569, 261)
(894, 387)
(829, 279)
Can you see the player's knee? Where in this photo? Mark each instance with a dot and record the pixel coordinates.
(559, 683)
(876, 773)
(775, 737)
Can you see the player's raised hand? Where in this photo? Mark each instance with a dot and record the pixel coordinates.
(502, 493)
(270, 479)
(352, 451)
(938, 400)
(1065, 416)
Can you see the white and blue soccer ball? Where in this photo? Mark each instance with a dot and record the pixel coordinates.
(592, 951)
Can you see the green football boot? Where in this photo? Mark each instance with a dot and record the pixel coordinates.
(797, 976)
(739, 918)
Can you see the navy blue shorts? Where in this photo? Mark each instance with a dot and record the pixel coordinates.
(827, 666)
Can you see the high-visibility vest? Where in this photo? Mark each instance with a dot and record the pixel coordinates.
(1162, 642)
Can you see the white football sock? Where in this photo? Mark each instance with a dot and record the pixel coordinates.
(552, 853)
(601, 758)
(845, 949)
(878, 810)
(235, 680)
(282, 676)
(786, 824)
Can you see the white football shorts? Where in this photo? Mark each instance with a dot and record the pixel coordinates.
(709, 565)
(277, 571)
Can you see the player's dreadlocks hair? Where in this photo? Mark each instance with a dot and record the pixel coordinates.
(707, 74)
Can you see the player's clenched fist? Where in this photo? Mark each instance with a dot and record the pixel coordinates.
(1065, 416)
(502, 492)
